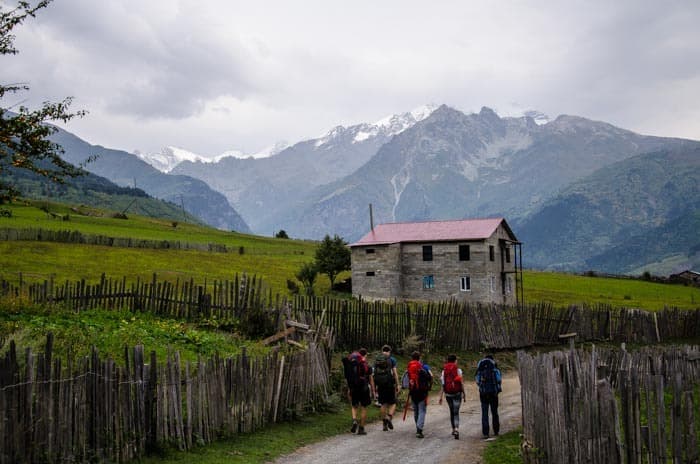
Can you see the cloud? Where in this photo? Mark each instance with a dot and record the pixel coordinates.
(234, 74)
(149, 60)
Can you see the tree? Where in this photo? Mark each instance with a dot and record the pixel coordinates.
(24, 133)
(307, 276)
(281, 234)
(332, 257)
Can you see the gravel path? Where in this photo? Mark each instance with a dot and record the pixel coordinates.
(401, 444)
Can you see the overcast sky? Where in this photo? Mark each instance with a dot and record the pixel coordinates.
(211, 76)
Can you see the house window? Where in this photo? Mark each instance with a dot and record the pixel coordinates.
(369, 273)
(492, 254)
(465, 284)
(509, 285)
(464, 252)
(492, 283)
(369, 251)
(427, 252)
(428, 282)
(507, 254)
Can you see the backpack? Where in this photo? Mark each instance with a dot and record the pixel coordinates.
(355, 369)
(489, 376)
(453, 383)
(418, 378)
(383, 375)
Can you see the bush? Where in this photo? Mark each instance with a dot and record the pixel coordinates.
(292, 287)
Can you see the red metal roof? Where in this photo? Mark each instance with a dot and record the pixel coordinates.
(433, 231)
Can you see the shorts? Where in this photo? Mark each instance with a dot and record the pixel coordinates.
(387, 395)
(359, 396)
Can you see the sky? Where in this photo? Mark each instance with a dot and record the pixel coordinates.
(213, 76)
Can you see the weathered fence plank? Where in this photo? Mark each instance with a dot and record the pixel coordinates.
(654, 422)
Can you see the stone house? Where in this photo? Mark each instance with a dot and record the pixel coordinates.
(687, 277)
(471, 260)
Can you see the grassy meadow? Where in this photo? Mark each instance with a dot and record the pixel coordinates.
(274, 260)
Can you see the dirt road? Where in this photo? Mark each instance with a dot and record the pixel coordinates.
(401, 444)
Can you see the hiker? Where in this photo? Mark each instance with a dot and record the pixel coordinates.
(386, 383)
(488, 379)
(419, 383)
(361, 388)
(453, 390)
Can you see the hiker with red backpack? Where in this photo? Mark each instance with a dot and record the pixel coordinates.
(361, 388)
(420, 381)
(453, 390)
(488, 379)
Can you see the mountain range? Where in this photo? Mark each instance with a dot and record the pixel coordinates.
(580, 194)
(128, 170)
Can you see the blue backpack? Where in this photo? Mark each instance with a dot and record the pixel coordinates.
(488, 376)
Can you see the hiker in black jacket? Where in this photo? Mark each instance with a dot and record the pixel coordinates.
(387, 386)
(488, 379)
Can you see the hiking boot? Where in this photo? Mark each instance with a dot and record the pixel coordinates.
(361, 431)
(419, 433)
(389, 424)
(385, 427)
(456, 434)
(353, 429)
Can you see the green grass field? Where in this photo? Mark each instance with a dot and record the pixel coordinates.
(564, 289)
(274, 260)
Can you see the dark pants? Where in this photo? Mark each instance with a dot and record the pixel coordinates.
(489, 400)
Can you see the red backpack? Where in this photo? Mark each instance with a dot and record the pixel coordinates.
(418, 378)
(453, 382)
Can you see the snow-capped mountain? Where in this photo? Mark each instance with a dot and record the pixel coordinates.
(387, 126)
(169, 157)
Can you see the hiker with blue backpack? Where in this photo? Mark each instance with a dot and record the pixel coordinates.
(386, 383)
(488, 379)
(452, 390)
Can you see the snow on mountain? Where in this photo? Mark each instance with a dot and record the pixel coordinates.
(539, 117)
(169, 157)
(272, 150)
(388, 126)
(396, 123)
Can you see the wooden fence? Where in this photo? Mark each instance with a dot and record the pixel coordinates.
(92, 410)
(74, 236)
(463, 326)
(611, 407)
(447, 325)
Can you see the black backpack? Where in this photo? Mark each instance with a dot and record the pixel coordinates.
(356, 370)
(425, 380)
(488, 376)
(383, 374)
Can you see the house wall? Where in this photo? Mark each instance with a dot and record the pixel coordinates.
(385, 262)
(400, 270)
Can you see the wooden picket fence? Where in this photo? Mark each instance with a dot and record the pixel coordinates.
(93, 410)
(463, 326)
(74, 236)
(443, 325)
(611, 406)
